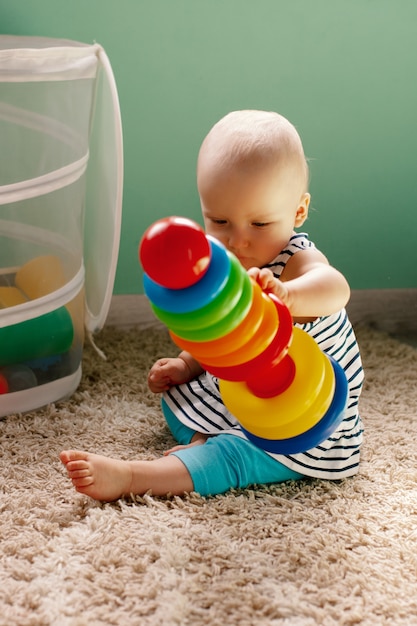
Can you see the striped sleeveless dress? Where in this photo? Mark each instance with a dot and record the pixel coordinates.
(198, 403)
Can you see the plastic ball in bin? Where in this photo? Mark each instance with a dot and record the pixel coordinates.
(4, 385)
(16, 378)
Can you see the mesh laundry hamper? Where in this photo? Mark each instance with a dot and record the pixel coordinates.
(61, 171)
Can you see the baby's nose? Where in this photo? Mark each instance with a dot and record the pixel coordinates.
(238, 239)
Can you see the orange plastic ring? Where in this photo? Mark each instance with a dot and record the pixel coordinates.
(254, 346)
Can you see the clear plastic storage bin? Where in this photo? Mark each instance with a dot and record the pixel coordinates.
(61, 177)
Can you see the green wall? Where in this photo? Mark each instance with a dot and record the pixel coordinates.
(343, 71)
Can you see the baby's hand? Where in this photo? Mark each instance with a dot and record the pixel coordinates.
(269, 283)
(167, 372)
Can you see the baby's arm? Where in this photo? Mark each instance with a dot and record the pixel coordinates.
(309, 286)
(173, 371)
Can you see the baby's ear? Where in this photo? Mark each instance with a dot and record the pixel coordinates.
(302, 211)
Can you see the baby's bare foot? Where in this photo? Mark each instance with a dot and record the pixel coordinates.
(99, 477)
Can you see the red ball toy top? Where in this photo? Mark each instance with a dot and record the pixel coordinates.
(174, 252)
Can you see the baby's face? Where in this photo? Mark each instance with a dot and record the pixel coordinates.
(254, 214)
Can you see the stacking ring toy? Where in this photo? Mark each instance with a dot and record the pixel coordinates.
(287, 394)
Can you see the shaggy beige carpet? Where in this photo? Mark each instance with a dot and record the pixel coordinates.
(294, 554)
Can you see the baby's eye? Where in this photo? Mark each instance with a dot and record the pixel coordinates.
(260, 224)
(219, 222)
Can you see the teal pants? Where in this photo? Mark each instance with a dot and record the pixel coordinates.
(225, 461)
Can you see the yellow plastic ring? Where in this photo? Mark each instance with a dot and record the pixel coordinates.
(299, 407)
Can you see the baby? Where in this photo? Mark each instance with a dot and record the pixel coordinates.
(252, 178)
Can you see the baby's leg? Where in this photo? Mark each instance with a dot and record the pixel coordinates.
(181, 433)
(228, 461)
(107, 479)
(185, 436)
